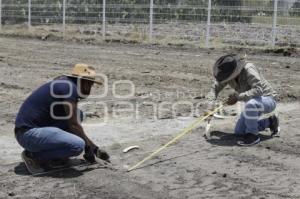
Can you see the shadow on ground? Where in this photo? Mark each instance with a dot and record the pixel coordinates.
(220, 138)
(21, 169)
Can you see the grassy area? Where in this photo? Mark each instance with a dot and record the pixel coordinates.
(135, 35)
(293, 21)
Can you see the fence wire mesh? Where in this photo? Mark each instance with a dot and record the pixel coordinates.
(199, 22)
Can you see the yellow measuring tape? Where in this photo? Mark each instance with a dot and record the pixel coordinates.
(180, 134)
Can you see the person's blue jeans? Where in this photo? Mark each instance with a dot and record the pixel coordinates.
(50, 143)
(249, 119)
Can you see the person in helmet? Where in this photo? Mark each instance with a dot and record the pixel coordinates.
(251, 87)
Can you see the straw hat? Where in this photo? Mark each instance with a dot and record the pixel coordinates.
(228, 67)
(84, 71)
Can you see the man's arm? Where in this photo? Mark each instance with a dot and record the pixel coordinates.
(254, 80)
(74, 125)
(91, 150)
(216, 88)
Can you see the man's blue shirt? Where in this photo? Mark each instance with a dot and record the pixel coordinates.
(47, 101)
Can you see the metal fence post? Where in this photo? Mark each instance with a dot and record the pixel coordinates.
(0, 15)
(29, 14)
(274, 23)
(208, 24)
(64, 17)
(151, 20)
(103, 18)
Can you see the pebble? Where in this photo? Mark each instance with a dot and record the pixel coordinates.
(11, 194)
(224, 175)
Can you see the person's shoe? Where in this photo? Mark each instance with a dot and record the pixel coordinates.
(33, 166)
(274, 125)
(57, 163)
(249, 139)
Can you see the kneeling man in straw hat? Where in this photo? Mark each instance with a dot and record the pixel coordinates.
(251, 87)
(48, 123)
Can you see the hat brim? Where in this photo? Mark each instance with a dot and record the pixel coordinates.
(85, 78)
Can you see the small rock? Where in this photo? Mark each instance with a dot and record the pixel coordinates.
(287, 53)
(149, 83)
(199, 97)
(279, 50)
(179, 114)
(190, 170)
(184, 65)
(224, 175)
(268, 147)
(214, 172)
(287, 67)
(45, 37)
(291, 96)
(11, 194)
(166, 116)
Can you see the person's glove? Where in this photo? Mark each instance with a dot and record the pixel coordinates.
(92, 152)
(101, 154)
(89, 155)
(232, 99)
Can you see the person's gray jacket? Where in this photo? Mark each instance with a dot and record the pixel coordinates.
(249, 84)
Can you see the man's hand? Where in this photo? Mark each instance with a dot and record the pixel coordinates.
(89, 155)
(93, 151)
(76, 128)
(101, 154)
(232, 99)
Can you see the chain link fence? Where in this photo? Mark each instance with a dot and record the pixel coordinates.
(198, 22)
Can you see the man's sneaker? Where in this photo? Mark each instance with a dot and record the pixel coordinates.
(32, 165)
(57, 163)
(249, 139)
(274, 125)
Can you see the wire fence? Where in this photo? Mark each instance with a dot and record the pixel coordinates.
(201, 22)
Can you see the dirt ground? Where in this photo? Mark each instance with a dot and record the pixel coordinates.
(168, 34)
(191, 168)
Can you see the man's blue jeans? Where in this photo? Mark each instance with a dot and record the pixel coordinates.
(249, 119)
(50, 143)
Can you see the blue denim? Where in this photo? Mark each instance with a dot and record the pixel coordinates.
(50, 143)
(249, 119)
